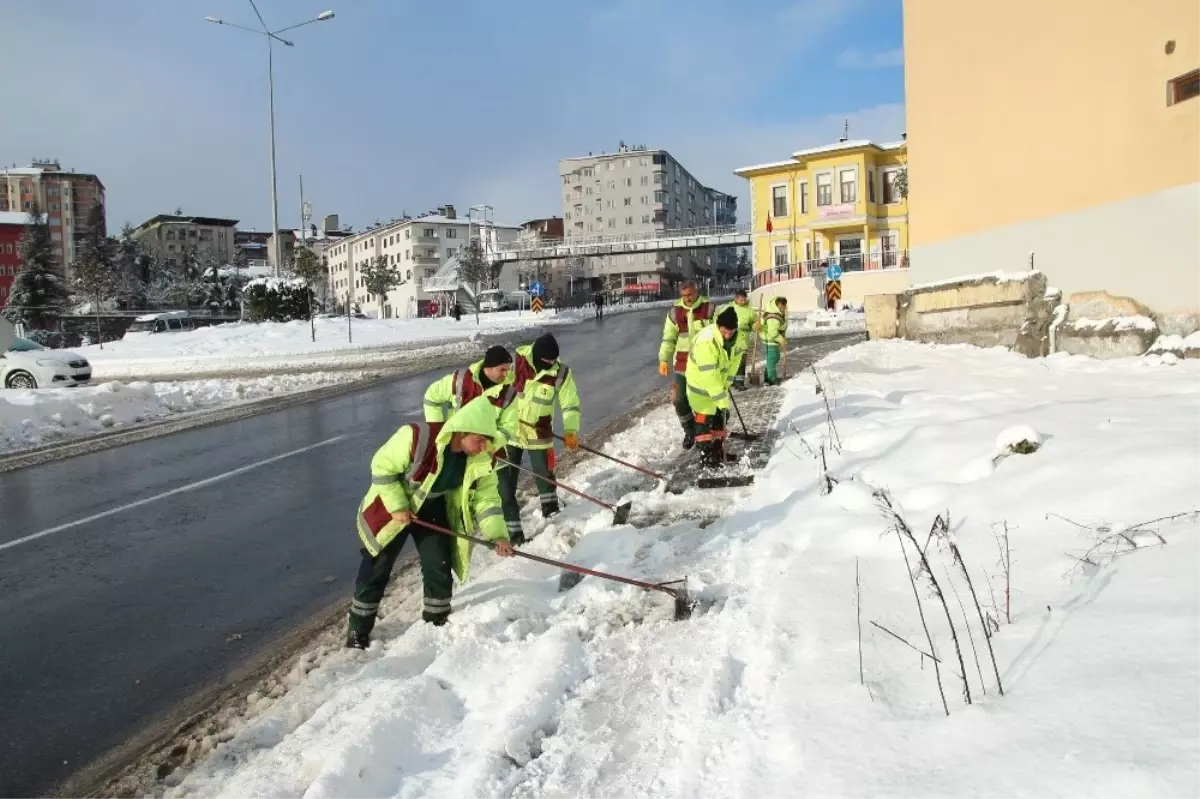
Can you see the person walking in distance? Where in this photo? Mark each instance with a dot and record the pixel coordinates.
(599, 304)
(492, 376)
(745, 329)
(716, 353)
(686, 318)
(527, 422)
(438, 473)
(774, 330)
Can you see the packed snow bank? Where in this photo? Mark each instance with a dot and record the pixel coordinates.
(34, 417)
(596, 692)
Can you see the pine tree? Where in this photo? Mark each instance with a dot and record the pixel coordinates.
(131, 266)
(187, 283)
(95, 275)
(39, 292)
(379, 277)
(741, 267)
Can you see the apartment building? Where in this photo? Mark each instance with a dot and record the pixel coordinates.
(65, 196)
(1069, 130)
(250, 247)
(12, 228)
(837, 204)
(724, 213)
(638, 191)
(553, 274)
(168, 237)
(418, 247)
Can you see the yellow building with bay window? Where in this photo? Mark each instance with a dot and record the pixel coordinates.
(840, 204)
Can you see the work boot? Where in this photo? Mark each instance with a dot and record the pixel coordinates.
(689, 440)
(711, 456)
(436, 619)
(550, 509)
(357, 639)
(517, 538)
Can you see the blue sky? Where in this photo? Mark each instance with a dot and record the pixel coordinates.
(397, 105)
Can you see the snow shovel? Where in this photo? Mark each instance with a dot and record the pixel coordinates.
(753, 376)
(655, 475)
(745, 435)
(685, 603)
(620, 512)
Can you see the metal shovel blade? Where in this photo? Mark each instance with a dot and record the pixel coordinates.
(621, 513)
(685, 603)
(568, 580)
(744, 436)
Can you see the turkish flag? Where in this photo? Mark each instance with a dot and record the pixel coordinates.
(769, 226)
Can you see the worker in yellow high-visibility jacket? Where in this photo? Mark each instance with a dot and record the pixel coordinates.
(711, 368)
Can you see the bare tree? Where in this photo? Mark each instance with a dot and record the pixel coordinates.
(474, 270)
(379, 277)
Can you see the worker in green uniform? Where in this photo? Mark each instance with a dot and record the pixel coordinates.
(690, 314)
(492, 376)
(774, 330)
(715, 357)
(438, 473)
(745, 329)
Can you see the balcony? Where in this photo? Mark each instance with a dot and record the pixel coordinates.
(426, 241)
(850, 264)
(427, 260)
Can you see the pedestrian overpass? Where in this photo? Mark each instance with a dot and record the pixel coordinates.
(702, 238)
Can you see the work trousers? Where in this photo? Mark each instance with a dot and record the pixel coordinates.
(772, 370)
(507, 477)
(436, 552)
(710, 436)
(739, 378)
(682, 409)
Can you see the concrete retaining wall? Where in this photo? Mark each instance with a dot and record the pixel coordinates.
(856, 287)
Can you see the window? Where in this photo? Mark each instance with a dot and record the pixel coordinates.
(429, 233)
(645, 219)
(408, 234)
(170, 235)
(191, 234)
(803, 192)
(628, 182)
(890, 195)
(629, 220)
(408, 255)
(451, 233)
(612, 220)
(871, 185)
(645, 200)
(610, 166)
(629, 201)
(1185, 87)
(658, 178)
(825, 189)
(170, 248)
(450, 252)
(848, 179)
(408, 275)
(645, 180)
(781, 254)
(779, 201)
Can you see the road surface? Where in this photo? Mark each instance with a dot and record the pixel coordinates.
(133, 577)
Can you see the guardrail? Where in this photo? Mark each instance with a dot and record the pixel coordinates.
(850, 264)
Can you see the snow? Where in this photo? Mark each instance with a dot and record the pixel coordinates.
(34, 417)
(1115, 323)
(530, 692)
(999, 277)
(1177, 344)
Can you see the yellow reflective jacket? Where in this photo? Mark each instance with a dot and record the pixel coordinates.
(680, 328)
(405, 468)
(745, 315)
(774, 325)
(710, 371)
(447, 394)
(536, 392)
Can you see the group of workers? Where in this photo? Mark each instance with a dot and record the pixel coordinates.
(456, 472)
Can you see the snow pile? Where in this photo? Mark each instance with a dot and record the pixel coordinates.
(596, 692)
(824, 321)
(1179, 346)
(34, 417)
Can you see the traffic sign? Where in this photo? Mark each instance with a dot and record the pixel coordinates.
(536, 305)
(834, 272)
(536, 289)
(833, 293)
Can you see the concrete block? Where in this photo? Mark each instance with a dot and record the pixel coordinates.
(1121, 337)
(883, 315)
(1102, 305)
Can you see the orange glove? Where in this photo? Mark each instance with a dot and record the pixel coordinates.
(662, 369)
(571, 440)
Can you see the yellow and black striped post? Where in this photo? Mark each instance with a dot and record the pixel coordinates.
(536, 305)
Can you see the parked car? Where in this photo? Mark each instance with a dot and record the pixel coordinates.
(164, 322)
(27, 364)
(493, 300)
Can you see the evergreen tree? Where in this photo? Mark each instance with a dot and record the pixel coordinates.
(131, 267)
(379, 278)
(741, 267)
(39, 292)
(95, 275)
(187, 287)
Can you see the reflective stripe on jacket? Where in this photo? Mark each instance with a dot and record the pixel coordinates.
(774, 327)
(536, 392)
(449, 393)
(405, 468)
(710, 371)
(681, 326)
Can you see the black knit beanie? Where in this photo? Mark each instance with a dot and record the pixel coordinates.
(495, 356)
(545, 348)
(728, 319)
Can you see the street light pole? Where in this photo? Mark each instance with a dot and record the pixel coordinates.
(324, 16)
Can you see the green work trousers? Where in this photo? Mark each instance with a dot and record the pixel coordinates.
(507, 477)
(436, 552)
(772, 373)
(682, 409)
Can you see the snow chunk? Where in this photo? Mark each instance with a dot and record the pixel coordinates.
(1020, 438)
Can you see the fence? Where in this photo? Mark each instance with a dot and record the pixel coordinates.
(863, 262)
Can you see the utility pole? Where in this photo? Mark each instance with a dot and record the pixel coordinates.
(305, 213)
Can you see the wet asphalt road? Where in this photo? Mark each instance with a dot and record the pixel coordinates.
(132, 600)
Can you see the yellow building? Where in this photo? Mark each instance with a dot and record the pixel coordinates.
(1069, 130)
(837, 204)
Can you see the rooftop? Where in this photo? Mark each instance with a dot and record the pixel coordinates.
(617, 154)
(800, 155)
(15, 218)
(164, 219)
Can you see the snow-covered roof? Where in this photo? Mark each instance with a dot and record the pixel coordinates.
(16, 218)
(773, 165)
(438, 219)
(846, 145)
(22, 170)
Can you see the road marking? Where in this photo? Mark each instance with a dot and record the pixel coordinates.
(182, 489)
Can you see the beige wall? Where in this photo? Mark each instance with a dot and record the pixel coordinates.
(1026, 109)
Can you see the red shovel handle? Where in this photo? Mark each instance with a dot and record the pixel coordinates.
(574, 491)
(586, 448)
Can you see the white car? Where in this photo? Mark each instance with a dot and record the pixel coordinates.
(27, 364)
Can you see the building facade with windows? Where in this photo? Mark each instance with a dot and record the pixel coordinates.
(1056, 130)
(12, 228)
(638, 191)
(418, 247)
(65, 197)
(169, 237)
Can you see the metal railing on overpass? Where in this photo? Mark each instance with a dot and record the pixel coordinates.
(621, 243)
